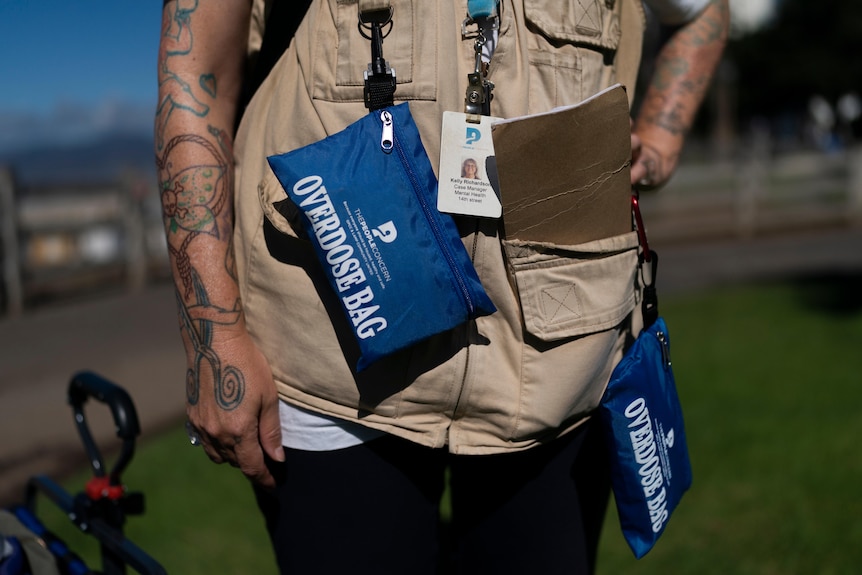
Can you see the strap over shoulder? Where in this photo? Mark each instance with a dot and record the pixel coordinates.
(628, 56)
(273, 24)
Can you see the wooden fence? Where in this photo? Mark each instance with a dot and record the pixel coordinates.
(62, 239)
(758, 195)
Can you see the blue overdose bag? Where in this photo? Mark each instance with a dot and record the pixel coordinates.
(642, 416)
(367, 198)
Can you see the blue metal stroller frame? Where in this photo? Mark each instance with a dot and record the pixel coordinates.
(99, 510)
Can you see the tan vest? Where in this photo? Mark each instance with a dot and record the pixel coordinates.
(538, 366)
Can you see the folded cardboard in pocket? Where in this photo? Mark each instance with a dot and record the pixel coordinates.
(564, 175)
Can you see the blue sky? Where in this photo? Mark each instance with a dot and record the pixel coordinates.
(84, 52)
(74, 63)
(72, 69)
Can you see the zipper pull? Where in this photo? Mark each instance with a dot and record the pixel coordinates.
(665, 348)
(387, 139)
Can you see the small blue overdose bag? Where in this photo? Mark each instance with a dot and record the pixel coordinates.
(367, 199)
(650, 468)
(642, 419)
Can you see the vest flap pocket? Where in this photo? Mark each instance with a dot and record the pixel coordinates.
(342, 53)
(568, 291)
(588, 22)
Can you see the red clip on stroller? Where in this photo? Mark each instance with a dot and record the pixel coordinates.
(28, 548)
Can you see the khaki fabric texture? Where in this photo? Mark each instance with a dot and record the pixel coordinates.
(41, 560)
(537, 367)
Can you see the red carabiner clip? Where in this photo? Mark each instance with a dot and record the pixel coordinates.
(639, 224)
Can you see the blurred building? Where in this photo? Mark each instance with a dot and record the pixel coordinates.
(57, 240)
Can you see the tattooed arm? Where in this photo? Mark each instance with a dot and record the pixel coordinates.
(683, 71)
(231, 397)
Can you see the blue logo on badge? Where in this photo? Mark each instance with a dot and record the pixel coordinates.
(473, 136)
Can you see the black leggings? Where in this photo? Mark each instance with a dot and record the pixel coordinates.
(373, 508)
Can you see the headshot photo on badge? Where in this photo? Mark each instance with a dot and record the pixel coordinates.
(470, 169)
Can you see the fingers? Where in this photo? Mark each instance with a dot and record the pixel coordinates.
(650, 170)
(638, 173)
(244, 431)
(218, 450)
(240, 438)
(638, 170)
(636, 146)
(251, 462)
(242, 452)
(270, 431)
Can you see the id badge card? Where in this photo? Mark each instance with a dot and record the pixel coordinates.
(468, 170)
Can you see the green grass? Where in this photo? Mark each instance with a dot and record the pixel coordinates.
(769, 377)
(200, 518)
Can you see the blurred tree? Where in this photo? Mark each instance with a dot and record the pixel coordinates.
(809, 48)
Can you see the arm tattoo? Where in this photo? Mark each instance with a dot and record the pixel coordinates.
(175, 92)
(669, 115)
(678, 84)
(197, 320)
(193, 198)
(711, 30)
(196, 182)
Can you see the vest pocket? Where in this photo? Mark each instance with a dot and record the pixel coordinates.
(575, 302)
(571, 49)
(568, 291)
(584, 22)
(342, 54)
(297, 321)
(281, 212)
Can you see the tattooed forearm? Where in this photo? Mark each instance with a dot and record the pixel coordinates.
(683, 71)
(670, 117)
(197, 320)
(200, 63)
(194, 196)
(668, 71)
(196, 209)
(672, 109)
(175, 92)
(712, 28)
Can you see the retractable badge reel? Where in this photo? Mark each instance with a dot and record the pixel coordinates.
(468, 169)
(483, 15)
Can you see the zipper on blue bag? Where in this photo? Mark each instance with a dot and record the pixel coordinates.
(664, 345)
(389, 140)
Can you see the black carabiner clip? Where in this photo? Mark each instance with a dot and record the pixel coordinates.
(380, 76)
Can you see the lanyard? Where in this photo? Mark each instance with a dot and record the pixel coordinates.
(482, 13)
(477, 9)
(375, 15)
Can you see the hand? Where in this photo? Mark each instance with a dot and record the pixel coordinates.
(650, 169)
(236, 413)
(682, 71)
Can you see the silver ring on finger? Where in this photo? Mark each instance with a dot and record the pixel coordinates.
(194, 435)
